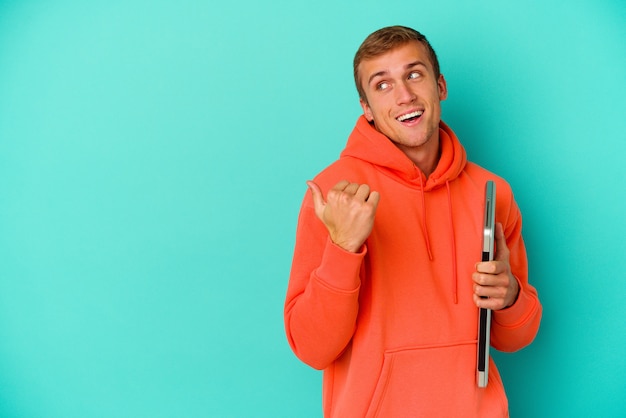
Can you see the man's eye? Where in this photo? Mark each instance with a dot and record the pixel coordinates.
(382, 86)
(414, 75)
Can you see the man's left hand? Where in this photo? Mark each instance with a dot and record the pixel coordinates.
(495, 287)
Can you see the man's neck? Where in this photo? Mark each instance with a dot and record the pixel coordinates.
(425, 157)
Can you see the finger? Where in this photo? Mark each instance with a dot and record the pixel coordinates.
(318, 198)
(492, 280)
(488, 267)
(489, 303)
(496, 292)
(374, 198)
(351, 189)
(365, 195)
(362, 192)
(502, 250)
(341, 186)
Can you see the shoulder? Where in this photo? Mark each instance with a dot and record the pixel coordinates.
(506, 206)
(481, 175)
(345, 168)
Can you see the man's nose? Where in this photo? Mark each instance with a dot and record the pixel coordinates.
(404, 94)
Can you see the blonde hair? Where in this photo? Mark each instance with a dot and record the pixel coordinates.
(383, 41)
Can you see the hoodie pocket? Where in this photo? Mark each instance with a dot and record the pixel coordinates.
(436, 381)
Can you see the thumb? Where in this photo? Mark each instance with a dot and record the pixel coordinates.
(502, 250)
(318, 199)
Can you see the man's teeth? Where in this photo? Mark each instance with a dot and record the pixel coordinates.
(412, 115)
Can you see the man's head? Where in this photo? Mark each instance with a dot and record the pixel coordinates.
(401, 90)
(385, 40)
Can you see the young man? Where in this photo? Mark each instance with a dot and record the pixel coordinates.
(385, 283)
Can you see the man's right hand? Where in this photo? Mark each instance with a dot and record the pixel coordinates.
(348, 212)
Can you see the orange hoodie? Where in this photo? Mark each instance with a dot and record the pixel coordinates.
(394, 327)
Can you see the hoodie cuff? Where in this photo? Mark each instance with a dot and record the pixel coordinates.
(340, 268)
(514, 314)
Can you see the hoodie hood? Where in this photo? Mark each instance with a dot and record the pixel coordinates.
(366, 143)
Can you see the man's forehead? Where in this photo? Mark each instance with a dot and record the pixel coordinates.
(404, 56)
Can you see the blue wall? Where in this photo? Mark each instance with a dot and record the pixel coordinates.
(153, 156)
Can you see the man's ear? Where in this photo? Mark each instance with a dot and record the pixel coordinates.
(443, 88)
(367, 112)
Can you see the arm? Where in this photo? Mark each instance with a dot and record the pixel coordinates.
(321, 306)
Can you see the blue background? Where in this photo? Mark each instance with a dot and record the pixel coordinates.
(153, 156)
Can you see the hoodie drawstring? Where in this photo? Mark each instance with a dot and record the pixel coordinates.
(424, 229)
(455, 278)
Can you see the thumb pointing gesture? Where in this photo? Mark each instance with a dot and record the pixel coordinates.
(348, 212)
(318, 199)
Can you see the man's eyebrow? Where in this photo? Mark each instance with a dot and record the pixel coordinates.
(377, 74)
(416, 64)
(407, 67)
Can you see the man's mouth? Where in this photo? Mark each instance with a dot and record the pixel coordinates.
(410, 117)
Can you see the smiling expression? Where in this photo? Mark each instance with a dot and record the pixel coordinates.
(403, 97)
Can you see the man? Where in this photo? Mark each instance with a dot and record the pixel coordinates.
(385, 283)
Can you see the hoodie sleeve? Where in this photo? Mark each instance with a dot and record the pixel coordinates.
(321, 305)
(515, 327)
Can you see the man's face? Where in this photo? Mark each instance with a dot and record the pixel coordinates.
(403, 96)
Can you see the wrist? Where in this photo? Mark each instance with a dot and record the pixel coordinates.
(516, 292)
(352, 247)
